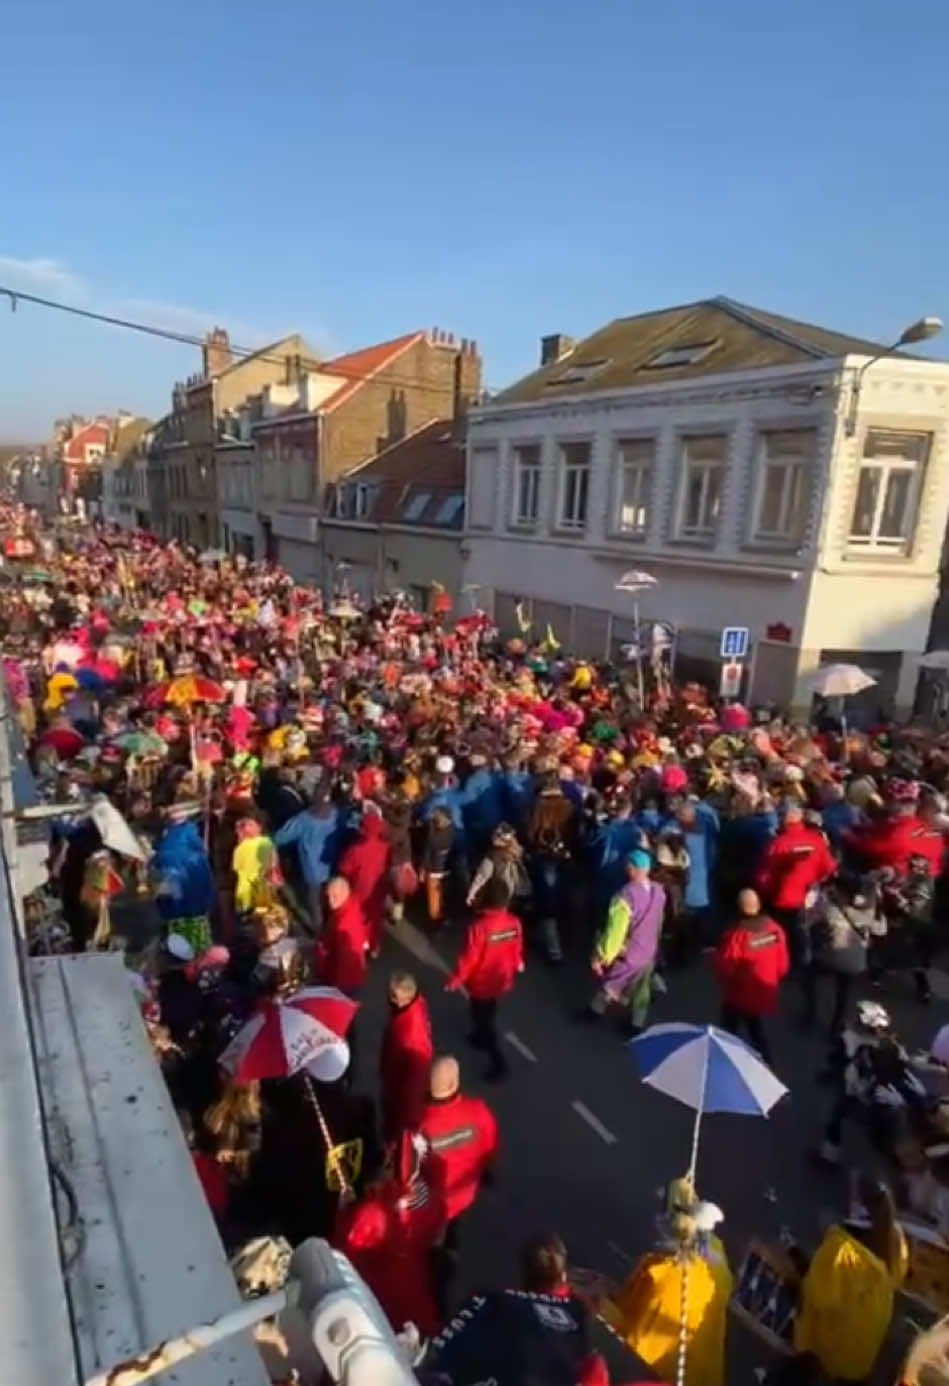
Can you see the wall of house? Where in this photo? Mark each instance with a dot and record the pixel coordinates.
(418, 386)
(388, 558)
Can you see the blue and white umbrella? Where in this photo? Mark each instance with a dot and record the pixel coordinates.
(708, 1070)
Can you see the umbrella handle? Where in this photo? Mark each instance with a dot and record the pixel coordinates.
(335, 1161)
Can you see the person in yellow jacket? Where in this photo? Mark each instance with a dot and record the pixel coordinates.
(846, 1300)
(647, 1310)
(256, 868)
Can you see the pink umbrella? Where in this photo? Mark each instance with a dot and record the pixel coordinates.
(306, 1031)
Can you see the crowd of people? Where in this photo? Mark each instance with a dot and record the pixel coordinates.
(295, 771)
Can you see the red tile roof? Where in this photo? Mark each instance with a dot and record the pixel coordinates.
(74, 450)
(357, 366)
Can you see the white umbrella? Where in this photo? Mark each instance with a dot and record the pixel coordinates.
(935, 659)
(636, 581)
(114, 830)
(840, 680)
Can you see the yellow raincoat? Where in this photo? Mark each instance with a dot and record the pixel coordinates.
(254, 863)
(57, 690)
(646, 1313)
(847, 1304)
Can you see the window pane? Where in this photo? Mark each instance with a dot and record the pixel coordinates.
(713, 497)
(692, 511)
(583, 481)
(865, 505)
(772, 495)
(796, 503)
(894, 518)
(634, 498)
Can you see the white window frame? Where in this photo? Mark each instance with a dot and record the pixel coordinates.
(777, 450)
(575, 522)
(361, 494)
(704, 534)
(626, 462)
(874, 542)
(412, 510)
(522, 469)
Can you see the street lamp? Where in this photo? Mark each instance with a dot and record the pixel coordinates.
(920, 331)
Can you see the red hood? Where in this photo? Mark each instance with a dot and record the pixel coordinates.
(373, 828)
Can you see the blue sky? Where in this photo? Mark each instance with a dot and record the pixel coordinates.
(502, 170)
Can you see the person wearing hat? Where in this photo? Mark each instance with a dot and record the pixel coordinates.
(445, 794)
(366, 865)
(625, 954)
(185, 891)
(482, 803)
(505, 861)
(550, 833)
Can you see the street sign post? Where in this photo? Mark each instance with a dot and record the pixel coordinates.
(730, 682)
(734, 642)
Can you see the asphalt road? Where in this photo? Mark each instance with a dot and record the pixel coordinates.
(586, 1146)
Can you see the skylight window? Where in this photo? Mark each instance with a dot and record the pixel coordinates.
(687, 355)
(414, 507)
(450, 509)
(577, 374)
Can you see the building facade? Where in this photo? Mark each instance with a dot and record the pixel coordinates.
(720, 450)
(183, 460)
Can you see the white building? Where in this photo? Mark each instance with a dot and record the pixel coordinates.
(740, 459)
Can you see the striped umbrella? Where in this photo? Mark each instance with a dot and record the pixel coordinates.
(304, 1032)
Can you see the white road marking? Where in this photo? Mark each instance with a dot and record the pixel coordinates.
(602, 1131)
(418, 945)
(520, 1046)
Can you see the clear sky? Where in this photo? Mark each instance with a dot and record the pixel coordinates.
(358, 170)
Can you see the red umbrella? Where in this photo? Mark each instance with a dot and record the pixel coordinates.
(186, 689)
(306, 1031)
(65, 741)
(107, 669)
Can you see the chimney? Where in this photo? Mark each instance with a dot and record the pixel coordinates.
(467, 380)
(216, 352)
(555, 348)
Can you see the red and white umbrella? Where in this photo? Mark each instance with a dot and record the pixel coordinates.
(306, 1031)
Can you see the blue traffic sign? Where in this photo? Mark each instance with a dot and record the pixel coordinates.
(734, 642)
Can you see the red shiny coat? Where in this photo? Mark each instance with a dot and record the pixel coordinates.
(388, 1237)
(462, 1137)
(366, 866)
(751, 961)
(492, 957)
(892, 841)
(793, 862)
(404, 1064)
(341, 956)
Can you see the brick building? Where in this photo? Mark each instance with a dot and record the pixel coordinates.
(307, 434)
(183, 490)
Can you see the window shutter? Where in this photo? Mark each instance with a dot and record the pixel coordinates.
(482, 488)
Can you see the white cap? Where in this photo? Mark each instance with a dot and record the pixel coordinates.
(444, 765)
(179, 947)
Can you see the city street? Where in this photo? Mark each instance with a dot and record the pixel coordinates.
(586, 1146)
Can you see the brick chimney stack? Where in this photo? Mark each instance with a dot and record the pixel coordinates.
(467, 382)
(216, 352)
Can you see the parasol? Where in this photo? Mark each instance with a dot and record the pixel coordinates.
(114, 830)
(38, 575)
(212, 556)
(840, 680)
(306, 1031)
(142, 743)
(344, 611)
(634, 580)
(184, 690)
(708, 1070)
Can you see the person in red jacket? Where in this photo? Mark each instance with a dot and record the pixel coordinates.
(492, 957)
(406, 1057)
(462, 1137)
(341, 953)
(751, 962)
(795, 861)
(366, 865)
(389, 1236)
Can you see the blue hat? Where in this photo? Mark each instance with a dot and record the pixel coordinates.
(640, 859)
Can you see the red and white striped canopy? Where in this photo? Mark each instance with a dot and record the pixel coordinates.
(305, 1031)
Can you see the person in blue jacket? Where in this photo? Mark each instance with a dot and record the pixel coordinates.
(316, 835)
(698, 823)
(446, 794)
(482, 805)
(517, 788)
(609, 848)
(185, 889)
(838, 815)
